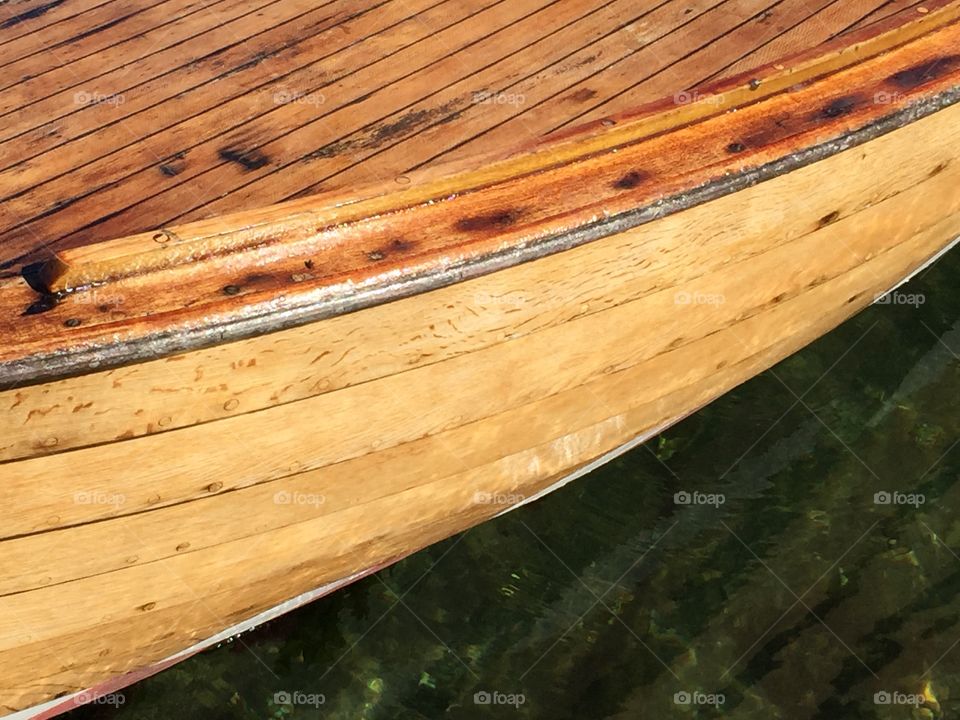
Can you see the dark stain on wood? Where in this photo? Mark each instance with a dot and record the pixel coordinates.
(327, 151)
(399, 127)
(35, 275)
(171, 166)
(925, 72)
(255, 278)
(247, 64)
(736, 147)
(576, 64)
(828, 219)
(496, 220)
(841, 106)
(61, 204)
(46, 302)
(248, 159)
(94, 31)
(31, 14)
(408, 122)
(397, 245)
(402, 245)
(583, 94)
(631, 180)
(385, 132)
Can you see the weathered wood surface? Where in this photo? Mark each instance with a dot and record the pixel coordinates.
(152, 505)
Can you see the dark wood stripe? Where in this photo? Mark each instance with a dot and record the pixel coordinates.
(446, 116)
(572, 120)
(159, 50)
(271, 81)
(889, 8)
(90, 32)
(556, 94)
(719, 73)
(224, 131)
(28, 18)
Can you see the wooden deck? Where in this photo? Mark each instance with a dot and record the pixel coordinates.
(118, 117)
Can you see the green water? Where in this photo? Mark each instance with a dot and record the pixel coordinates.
(797, 597)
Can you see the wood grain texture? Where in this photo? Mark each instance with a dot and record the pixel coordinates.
(552, 306)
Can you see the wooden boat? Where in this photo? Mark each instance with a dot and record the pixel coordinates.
(291, 290)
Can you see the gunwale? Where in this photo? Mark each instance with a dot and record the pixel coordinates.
(169, 317)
